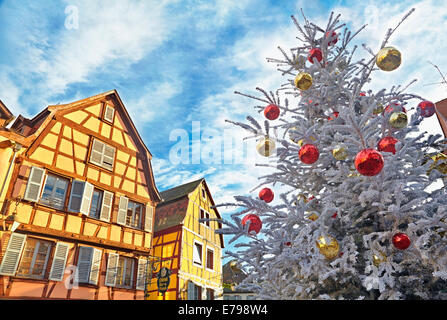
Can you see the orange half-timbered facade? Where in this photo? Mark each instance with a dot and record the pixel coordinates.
(77, 202)
(186, 243)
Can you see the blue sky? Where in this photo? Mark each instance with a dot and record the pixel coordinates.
(174, 62)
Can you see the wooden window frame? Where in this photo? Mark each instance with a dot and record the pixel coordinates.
(44, 182)
(103, 116)
(43, 275)
(120, 277)
(142, 212)
(206, 258)
(89, 161)
(99, 209)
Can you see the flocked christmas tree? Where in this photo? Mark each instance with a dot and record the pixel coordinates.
(355, 220)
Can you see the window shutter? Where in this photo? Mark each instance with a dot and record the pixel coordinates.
(191, 291)
(86, 198)
(122, 211)
(97, 152)
(59, 261)
(143, 274)
(76, 196)
(34, 185)
(108, 157)
(106, 207)
(84, 263)
(12, 254)
(95, 266)
(108, 113)
(148, 218)
(112, 266)
(197, 254)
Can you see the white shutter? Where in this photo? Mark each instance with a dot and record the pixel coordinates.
(97, 152)
(108, 157)
(59, 261)
(197, 254)
(12, 254)
(84, 263)
(112, 267)
(149, 218)
(106, 206)
(95, 266)
(143, 274)
(34, 185)
(191, 291)
(76, 196)
(108, 113)
(86, 198)
(122, 211)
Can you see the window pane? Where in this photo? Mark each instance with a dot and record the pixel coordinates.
(137, 217)
(95, 207)
(129, 217)
(124, 274)
(34, 259)
(54, 191)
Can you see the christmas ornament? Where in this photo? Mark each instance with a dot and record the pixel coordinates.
(368, 162)
(309, 153)
(271, 112)
(328, 246)
(312, 216)
(387, 144)
(288, 243)
(362, 94)
(234, 266)
(332, 35)
(401, 241)
(394, 107)
(442, 167)
(334, 215)
(388, 59)
(315, 53)
(303, 81)
(335, 114)
(378, 110)
(266, 147)
(255, 223)
(340, 153)
(398, 120)
(266, 194)
(378, 258)
(426, 109)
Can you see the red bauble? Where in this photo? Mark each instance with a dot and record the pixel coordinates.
(426, 109)
(394, 107)
(335, 113)
(288, 243)
(387, 144)
(271, 112)
(266, 194)
(315, 53)
(309, 154)
(255, 223)
(368, 162)
(362, 94)
(401, 241)
(334, 215)
(334, 37)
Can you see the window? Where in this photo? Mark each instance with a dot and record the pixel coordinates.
(194, 291)
(209, 294)
(124, 274)
(89, 263)
(54, 191)
(95, 207)
(210, 258)
(34, 259)
(108, 113)
(203, 193)
(134, 212)
(102, 154)
(204, 215)
(197, 254)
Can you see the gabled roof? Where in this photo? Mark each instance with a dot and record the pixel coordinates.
(5, 113)
(179, 191)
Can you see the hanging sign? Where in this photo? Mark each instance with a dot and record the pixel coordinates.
(163, 279)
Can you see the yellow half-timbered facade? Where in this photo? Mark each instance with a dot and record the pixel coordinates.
(77, 202)
(187, 246)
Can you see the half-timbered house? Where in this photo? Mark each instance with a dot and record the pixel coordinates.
(77, 203)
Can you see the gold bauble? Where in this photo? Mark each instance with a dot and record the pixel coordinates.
(234, 266)
(303, 81)
(265, 147)
(340, 153)
(312, 216)
(388, 59)
(379, 109)
(398, 120)
(442, 167)
(328, 246)
(378, 258)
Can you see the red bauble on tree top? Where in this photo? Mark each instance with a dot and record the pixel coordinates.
(255, 223)
(309, 153)
(368, 162)
(387, 144)
(315, 53)
(401, 241)
(333, 36)
(426, 109)
(271, 112)
(266, 194)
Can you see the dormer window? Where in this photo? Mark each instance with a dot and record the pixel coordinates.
(109, 112)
